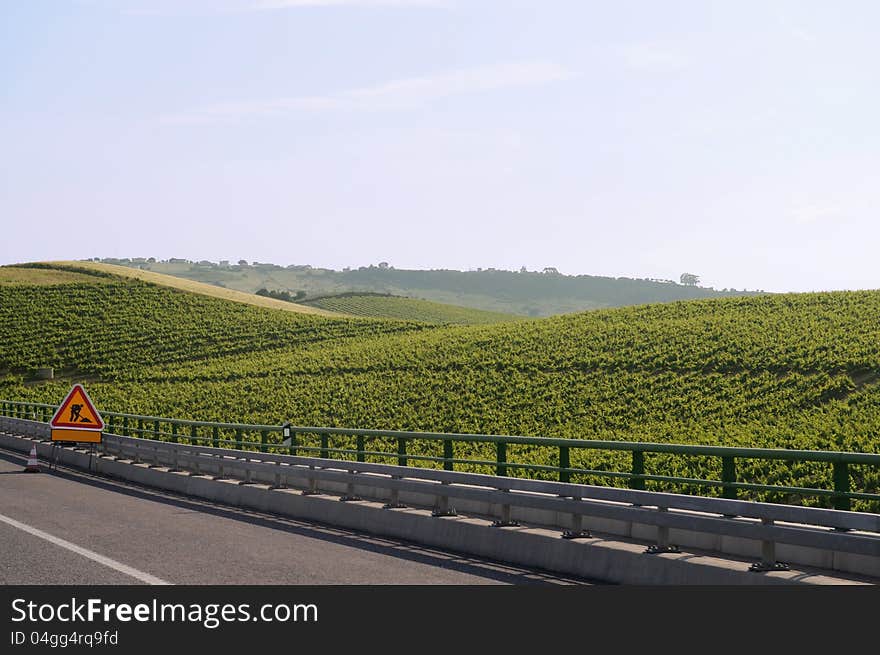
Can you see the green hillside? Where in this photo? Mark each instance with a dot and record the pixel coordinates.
(775, 371)
(105, 326)
(524, 293)
(412, 309)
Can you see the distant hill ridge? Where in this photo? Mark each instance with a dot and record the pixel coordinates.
(525, 293)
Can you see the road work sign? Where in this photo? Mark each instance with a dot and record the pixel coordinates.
(77, 419)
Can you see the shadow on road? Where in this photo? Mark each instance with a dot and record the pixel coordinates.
(496, 571)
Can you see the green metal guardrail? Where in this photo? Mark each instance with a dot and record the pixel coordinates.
(268, 438)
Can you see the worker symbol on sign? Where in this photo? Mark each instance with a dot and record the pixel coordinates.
(75, 417)
(77, 412)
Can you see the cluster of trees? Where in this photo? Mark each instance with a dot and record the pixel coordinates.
(282, 295)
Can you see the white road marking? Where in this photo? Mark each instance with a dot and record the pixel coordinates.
(85, 552)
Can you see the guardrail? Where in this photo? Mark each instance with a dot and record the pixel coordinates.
(575, 507)
(424, 448)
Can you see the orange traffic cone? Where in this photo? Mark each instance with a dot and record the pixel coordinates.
(33, 465)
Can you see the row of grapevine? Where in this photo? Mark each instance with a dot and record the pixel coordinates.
(409, 309)
(793, 371)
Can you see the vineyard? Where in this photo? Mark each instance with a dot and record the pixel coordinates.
(376, 305)
(787, 371)
(106, 328)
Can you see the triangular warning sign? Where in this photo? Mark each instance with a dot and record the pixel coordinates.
(77, 412)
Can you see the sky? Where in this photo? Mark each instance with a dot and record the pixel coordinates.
(735, 140)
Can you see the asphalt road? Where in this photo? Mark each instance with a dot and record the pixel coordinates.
(73, 528)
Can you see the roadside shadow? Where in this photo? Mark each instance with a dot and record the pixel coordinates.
(463, 563)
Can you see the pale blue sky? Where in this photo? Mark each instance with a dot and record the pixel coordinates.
(736, 140)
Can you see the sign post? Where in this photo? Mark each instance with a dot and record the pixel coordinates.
(77, 419)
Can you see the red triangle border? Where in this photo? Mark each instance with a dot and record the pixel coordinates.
(57, 423)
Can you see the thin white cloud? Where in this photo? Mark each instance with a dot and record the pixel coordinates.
(652, 58)
(814, 214)
(402, 94)
(795, 30)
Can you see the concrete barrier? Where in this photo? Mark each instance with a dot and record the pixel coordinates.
(616, 555)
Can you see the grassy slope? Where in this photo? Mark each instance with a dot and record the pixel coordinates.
(17, 275)
(195, 287)
(412, 309)
(782, 371)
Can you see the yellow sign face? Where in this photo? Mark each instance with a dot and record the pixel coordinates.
(77, 419)
(77, 412)
(84, 436)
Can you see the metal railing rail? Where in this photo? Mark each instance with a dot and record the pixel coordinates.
(850, 532)
(289, 439)
(856, 533)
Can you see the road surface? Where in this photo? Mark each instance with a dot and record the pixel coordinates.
(74, 528)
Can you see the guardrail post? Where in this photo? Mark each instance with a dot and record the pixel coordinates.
(174, 432)
(140, 428)
(278, 483)
(360, 448)
(448, 455)
(505, 521)
(156, 430)
(215, 437)
(312, 484)
(175, 460)
(264, 441)
(662, 545)
(238, 439)
(841, 486)
(577, 526)
(394, 502)
(125, 426)
(638, 468)
(768, 555)
(564, 463)
(110, 423)
(501, 458)
(350, 495)
(325, 444)
(193, 435)
(728, 476)
(401, 451)
(221, 474)
(442, 508)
